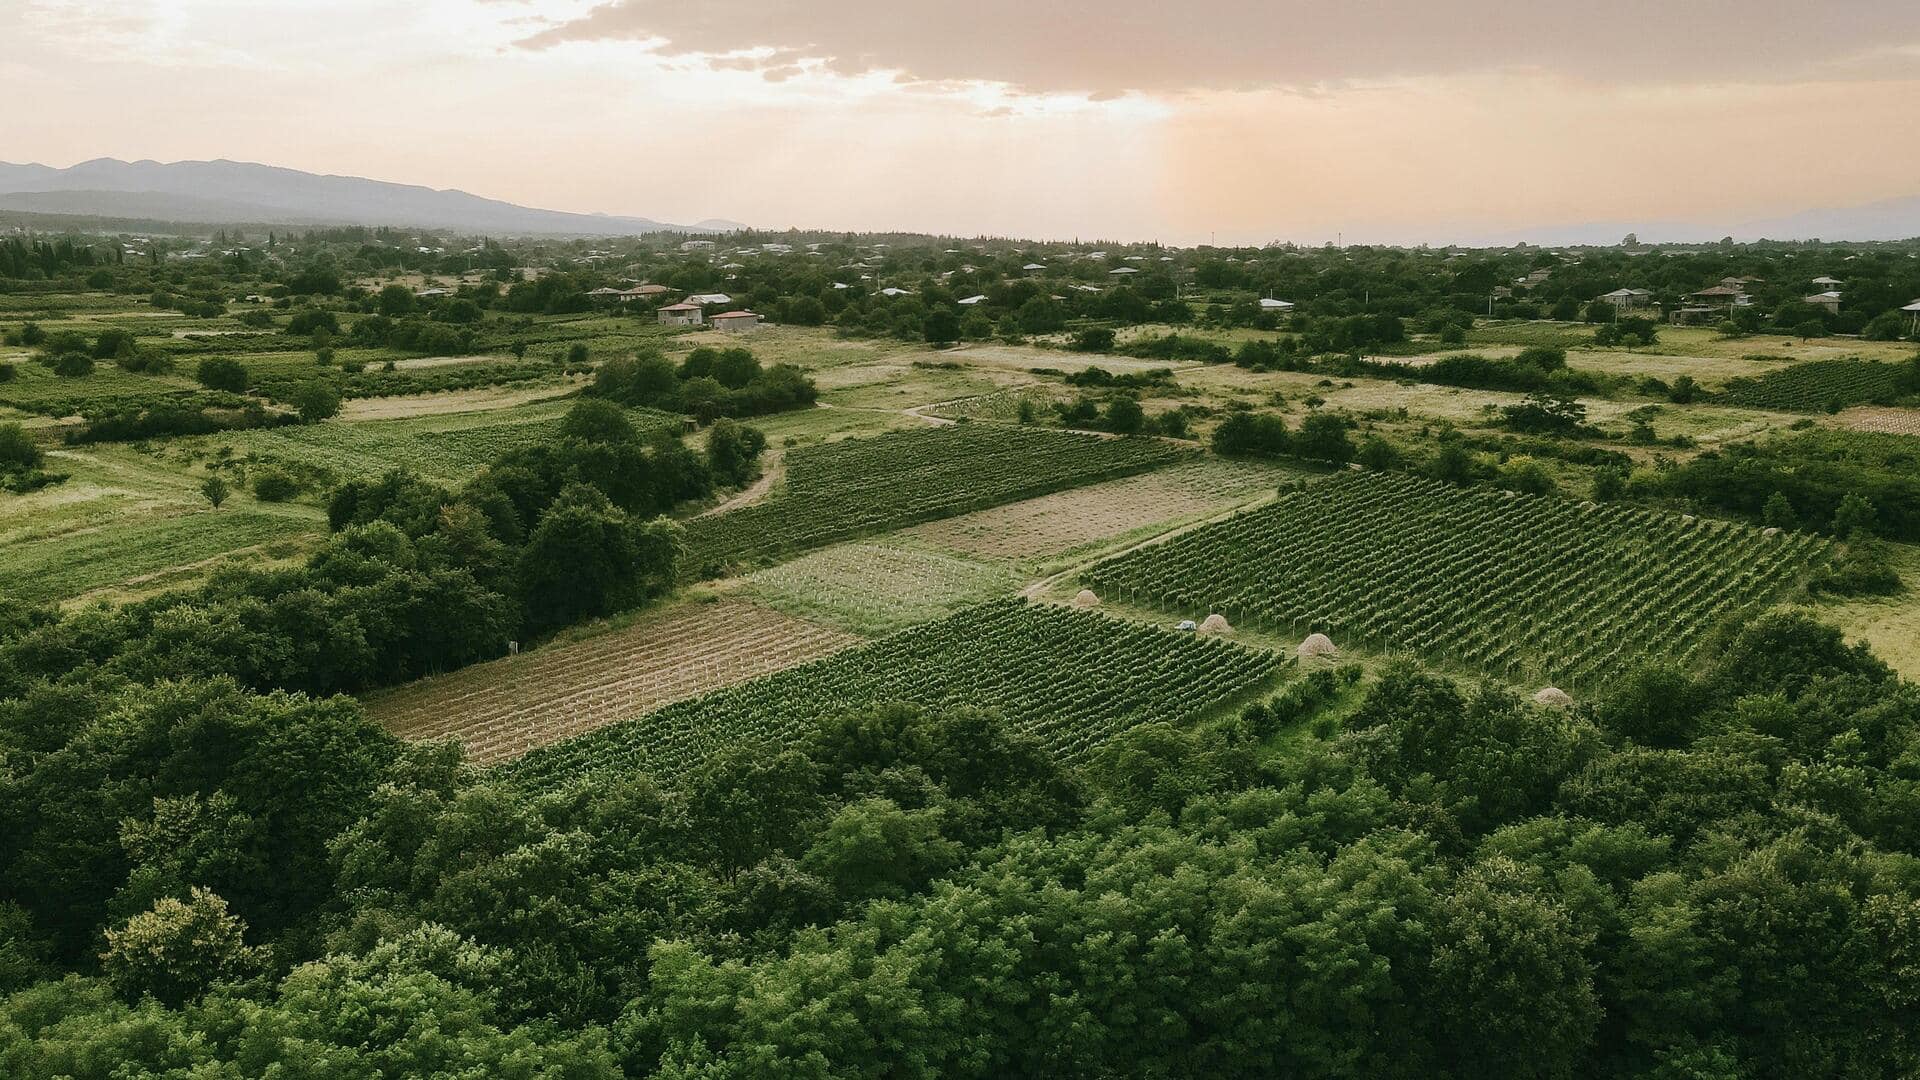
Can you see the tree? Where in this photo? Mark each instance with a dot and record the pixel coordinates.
(1599, 311)
(394, 301)
(1323, 437)
(1609, 483)
(1856, 516)
(178, 949)
(1124, 415)
(316, 400)
(733, 451)
(942, 327)
(1096, 339)
(215, 489)
(222, 373)
(1546, 414)
(587, 557)
(1378, 454)
(1683, 391)
(1778, 512)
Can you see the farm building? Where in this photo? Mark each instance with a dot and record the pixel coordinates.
(735, 322)
(703, 299)
(603, 293)
(1721, 297)
(1627, 299)
(1268, 303)
(682, 314)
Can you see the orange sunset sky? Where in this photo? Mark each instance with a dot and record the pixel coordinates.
(1124, 119)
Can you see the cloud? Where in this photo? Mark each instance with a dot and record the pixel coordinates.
(1115, 46)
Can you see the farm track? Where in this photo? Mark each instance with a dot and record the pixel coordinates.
(506, 707)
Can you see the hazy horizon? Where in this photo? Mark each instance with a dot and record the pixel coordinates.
(1237, 121)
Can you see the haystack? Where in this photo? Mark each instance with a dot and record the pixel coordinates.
(1085, 598)
(1554, 696)
(1215, 624)
(1316, 645)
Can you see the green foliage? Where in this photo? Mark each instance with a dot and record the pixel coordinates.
(177, 950)
(215, 489)
(315, 401)
(222, 373)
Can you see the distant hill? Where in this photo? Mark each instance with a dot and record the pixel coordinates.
(222, 192)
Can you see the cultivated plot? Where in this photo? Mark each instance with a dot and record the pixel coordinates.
(506, 707)
(1069, 679)
(1056, 524)
(1510, 584)
(71, 564)
(875, 589)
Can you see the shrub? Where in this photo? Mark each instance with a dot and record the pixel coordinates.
(72, 365)
(222, 373)
(272, 485)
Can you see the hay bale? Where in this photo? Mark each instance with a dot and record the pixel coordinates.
(1770, 531)
(1085, 598)
(1554, 696)
(1215, 624)
(1316, 645)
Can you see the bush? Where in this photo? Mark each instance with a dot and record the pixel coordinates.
(272, 485)
(222, 373)
(72, 365)
(17, 449)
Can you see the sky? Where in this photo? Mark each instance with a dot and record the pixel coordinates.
(1241, 121)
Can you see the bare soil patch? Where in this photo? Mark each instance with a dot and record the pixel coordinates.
(506, 707)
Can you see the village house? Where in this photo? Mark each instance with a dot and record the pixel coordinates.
(1830, 300)
(703, 299)
(682, 314)
(642, 292)
(1627, 299)
(734, 322)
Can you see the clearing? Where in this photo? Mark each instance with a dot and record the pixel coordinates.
(506, 707)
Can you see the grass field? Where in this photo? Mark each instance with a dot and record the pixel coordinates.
(1062, 523)
(71, 564)
(874, 589)
(504, 708)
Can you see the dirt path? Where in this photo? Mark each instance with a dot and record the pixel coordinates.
(771, 472)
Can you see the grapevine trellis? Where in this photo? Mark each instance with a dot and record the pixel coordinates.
(1513, 585)
(1070, 679)
(841, 490)
(1816, 385)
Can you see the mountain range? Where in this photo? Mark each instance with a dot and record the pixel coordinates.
(238, 192)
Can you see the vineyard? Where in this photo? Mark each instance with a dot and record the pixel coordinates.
(1070, 679)
(506, 707)
(856, 487)
(1819, 386)
(69, 564)
(1509, 584)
